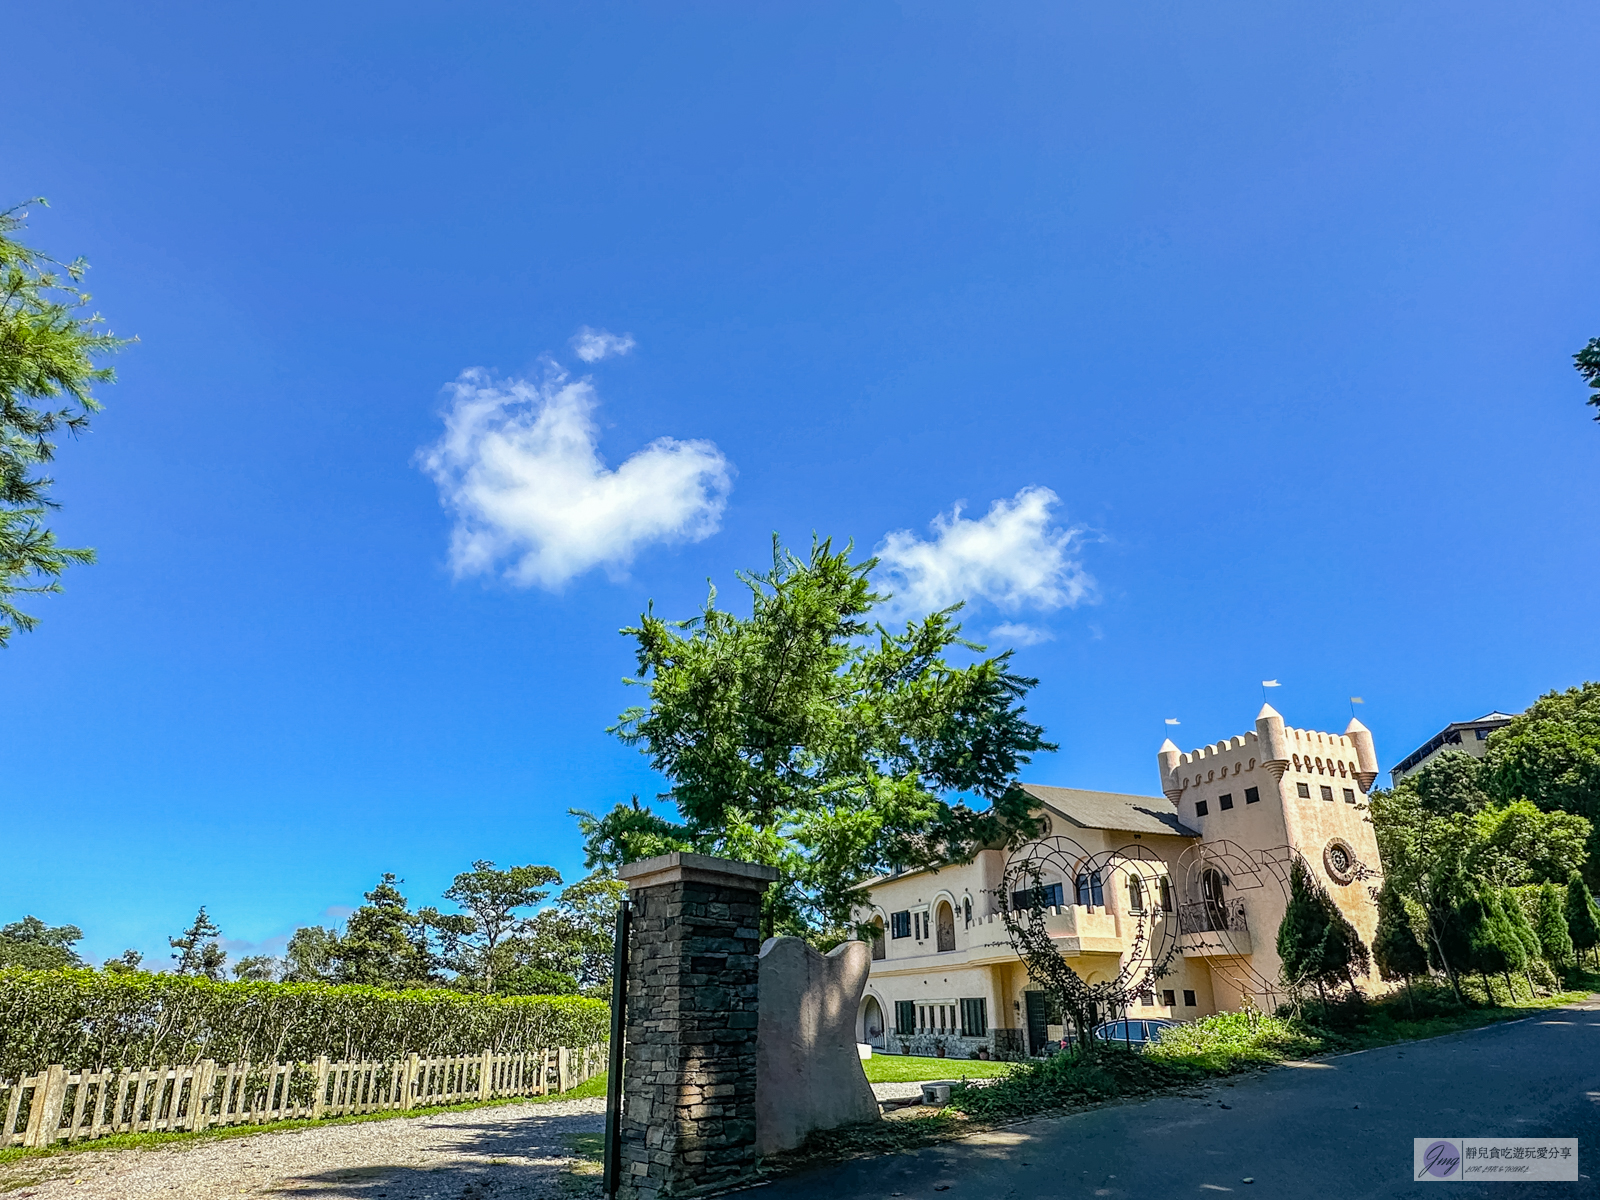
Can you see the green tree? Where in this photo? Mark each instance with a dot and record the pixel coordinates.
(1518, 844)
(1583, 920)
(384, 943)
(1451, 782)
(1517, 918)
(32, 944)
(1316, 943)
(1587, 361)
(48, 347)
(125, 963)
(1550, 755)
(1495, 948)
(312, 956)
(812, 737)
(574, 937)
(256, 968)
(196, 950)
(535, 981)
(491, 897)
(1550, 923)
(1395, 947)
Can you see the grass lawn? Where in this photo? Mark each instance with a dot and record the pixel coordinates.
(909, 1068)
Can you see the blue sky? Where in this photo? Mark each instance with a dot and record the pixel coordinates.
(1256, 320)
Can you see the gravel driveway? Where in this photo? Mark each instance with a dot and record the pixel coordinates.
(521, 1151)
(515, 1150)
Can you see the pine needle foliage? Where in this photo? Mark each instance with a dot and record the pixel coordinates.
(1395, 947)
(1550, 923)
(48, 346)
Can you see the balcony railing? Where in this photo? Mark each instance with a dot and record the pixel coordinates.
(1209, 916)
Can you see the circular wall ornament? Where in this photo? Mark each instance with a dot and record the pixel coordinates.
(1340, 861)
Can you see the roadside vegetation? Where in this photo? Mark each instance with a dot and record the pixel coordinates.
(912, 1068)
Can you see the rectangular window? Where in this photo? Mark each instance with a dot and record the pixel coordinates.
(1200, 808)
(1090, 891)
(1483, 734)
(900, 924)
(1188, 998)
(1303, 790)
(1147, 998)
(1165, 888)
(1252, 795)
(1045, 895)
(1349, 796)
(1225, 801)
(905, 1017)
(1169, 998)
(974, 1017)
(1327, 793)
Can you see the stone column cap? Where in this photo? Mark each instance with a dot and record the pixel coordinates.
(683, 866)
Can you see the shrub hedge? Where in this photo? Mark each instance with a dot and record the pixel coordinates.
(95, 1020)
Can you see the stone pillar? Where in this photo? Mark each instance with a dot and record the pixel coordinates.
(689, 1069)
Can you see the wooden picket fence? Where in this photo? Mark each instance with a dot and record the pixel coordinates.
(58, 1105)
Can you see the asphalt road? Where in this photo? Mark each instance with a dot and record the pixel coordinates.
(1339, 1128)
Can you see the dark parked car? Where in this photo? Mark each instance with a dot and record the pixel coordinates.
(1133, 1033)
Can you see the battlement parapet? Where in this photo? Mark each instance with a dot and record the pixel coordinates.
(1277, 747)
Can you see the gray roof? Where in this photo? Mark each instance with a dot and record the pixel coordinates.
(1111, 810)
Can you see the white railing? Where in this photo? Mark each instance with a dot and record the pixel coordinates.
(59, 1105)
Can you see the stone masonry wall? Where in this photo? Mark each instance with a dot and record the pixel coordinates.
(689, 1120)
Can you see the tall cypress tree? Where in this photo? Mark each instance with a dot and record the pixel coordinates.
(1303, 931)
(1496, 949)
(1550, 923)
(1583, 924)
(1395, 946)
(1517, 917)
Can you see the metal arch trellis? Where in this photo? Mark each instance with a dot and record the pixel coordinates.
(1149, 952)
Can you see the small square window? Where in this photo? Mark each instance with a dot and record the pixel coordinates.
(1252, 795)
(1188, 998)
(1169, 998)
(1349, 796)
(1200, 808)
(1303, 790)
(1225, 801)
(900, 925)
(1327, 792)
(1147, 998)
(1483, 734)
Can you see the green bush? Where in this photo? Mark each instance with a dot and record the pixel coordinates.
(90, 1019)
(1231, 1041)
(1104, 1070)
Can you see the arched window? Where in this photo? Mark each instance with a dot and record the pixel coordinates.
(1164, 889)
(966, 908)
(879, 951)
(1135, 894)
(944, 920)
(1211, 893)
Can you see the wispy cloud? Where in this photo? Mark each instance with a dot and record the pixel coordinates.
(1015, 557)
(1018, 634)
(520, 468)
(592, 345)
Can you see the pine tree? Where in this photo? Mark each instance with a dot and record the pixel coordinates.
(196, 950)
(1583, 924)
(1517, 917)
(1395, 946)
(1550, 923)
(1303, 931)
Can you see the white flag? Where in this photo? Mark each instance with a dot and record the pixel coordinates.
(1270, 683)
(1172, 720)
(1357, 700)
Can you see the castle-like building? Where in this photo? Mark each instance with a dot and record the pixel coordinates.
(1193, 883)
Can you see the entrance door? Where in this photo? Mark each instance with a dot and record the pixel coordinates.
(1041, 1012)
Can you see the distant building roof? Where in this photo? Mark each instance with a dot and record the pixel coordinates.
(1450, 735)
(1111, 810)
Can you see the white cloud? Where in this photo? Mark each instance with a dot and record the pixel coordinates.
(519, 467)
(592, 345)
(1019, 634)
(1015, 557)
